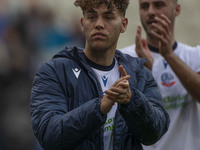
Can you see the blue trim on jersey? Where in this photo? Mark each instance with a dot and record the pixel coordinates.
(153, 49)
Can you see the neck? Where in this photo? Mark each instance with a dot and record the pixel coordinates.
(101, 57)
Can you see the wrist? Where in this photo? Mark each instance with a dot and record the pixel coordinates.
(106, 104)
(169, 56)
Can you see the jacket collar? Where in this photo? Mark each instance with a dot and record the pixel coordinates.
(76, 53)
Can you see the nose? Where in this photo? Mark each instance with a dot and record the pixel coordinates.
(151, 11)
(99, 23)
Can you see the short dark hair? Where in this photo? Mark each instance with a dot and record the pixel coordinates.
(121, 5)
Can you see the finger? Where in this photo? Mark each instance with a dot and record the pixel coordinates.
(163, 22)
(117, 91)
(166, 19)
(118, 98)
(141, 44)
(124, 84)
(125, 78)
(163, 38)
(112, 98)
(148, 53)
(111, 92)
(122, 71)
(160, 30)
(138, 45)
(144, 44)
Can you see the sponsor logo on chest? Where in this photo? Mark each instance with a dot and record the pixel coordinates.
(167, 79)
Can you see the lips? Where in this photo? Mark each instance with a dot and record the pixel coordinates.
(98, 35)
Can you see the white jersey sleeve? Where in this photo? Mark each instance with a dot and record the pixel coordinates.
(190, 55)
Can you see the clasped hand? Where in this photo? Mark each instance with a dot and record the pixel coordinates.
(120, 92)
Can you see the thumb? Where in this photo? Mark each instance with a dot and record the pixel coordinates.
(122, 71)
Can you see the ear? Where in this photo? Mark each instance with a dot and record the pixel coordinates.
(177, 9)
(82, 24)
(124, 24)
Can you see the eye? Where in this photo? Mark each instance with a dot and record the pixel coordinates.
(144, 6)
(91, 17)
(109, 17)
(159, 4)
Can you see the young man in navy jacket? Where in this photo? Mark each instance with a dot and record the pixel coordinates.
(97, 98)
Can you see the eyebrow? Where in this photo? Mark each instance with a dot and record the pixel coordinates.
(91, 11)
(94, 12)
(109, 12)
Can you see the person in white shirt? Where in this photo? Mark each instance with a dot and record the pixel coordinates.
(175, 67)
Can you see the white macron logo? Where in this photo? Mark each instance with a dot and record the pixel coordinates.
(76, 72)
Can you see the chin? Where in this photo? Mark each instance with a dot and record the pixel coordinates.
(99, 46)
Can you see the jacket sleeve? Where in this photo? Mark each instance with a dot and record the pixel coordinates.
(56, 127)
(145, 115)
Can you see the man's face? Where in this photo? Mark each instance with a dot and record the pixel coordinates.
(102, 27)
(151, 8)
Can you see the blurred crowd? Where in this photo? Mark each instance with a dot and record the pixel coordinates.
(27, 38)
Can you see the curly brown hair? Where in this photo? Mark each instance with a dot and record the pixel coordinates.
(121, 5)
